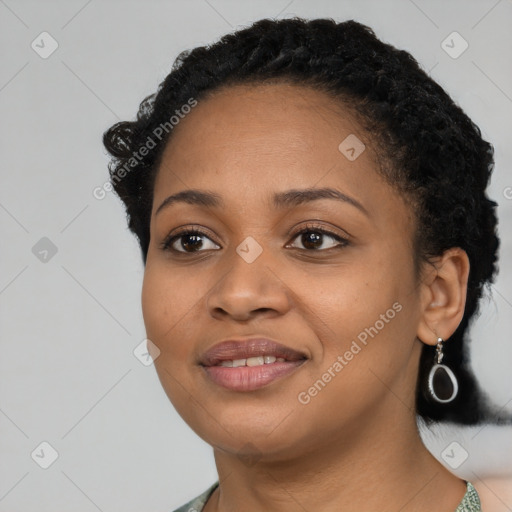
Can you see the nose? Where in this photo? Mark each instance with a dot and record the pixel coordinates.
(247, 290)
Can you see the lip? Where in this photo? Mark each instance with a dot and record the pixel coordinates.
(249, 378)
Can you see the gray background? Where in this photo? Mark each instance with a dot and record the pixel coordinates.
(71, 320)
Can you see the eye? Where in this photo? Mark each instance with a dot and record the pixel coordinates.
(191, 240)
(313, 238)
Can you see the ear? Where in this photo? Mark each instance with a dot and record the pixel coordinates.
(443, 295)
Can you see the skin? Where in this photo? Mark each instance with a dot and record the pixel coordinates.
(355, 444)
(495, 493)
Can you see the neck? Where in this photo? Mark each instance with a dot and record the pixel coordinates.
(378, 467)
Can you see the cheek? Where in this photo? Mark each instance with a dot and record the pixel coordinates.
(167, 309)
(358, 293)
(373, 305)
(367, 350)
(155, 303)
(165, 305)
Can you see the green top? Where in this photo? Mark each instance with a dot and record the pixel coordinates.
(470, 502)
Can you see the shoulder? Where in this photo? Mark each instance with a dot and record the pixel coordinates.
(197, 504)
(495, 493)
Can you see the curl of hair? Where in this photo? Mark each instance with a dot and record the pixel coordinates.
(430, 150)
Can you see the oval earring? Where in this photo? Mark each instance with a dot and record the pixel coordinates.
(442, 383)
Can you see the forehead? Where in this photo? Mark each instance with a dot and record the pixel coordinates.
(275, 108)
(248, 144)
(268, 129)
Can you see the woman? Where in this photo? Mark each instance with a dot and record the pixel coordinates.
(312, 216)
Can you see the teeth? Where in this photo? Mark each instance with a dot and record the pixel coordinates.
(252, 361)
(255, 361)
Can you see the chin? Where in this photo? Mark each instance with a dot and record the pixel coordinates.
(251, 435)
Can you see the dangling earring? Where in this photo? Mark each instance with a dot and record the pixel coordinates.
(442, 383)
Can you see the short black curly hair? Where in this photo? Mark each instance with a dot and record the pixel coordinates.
(429, 149)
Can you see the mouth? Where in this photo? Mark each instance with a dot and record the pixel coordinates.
(248, 365)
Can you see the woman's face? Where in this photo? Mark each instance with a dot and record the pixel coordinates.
(345, 302)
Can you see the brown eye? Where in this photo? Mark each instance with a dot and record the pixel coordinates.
(316, 239)
(188, 242)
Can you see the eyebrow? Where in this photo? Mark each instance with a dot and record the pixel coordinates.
(290, 198)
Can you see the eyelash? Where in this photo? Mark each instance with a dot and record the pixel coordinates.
(166, 245)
